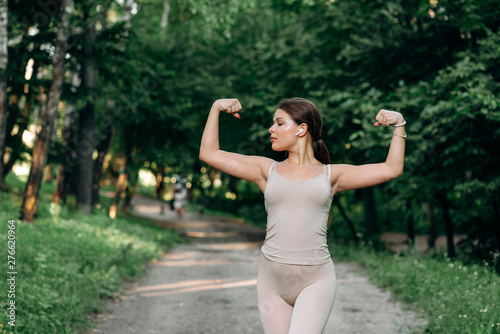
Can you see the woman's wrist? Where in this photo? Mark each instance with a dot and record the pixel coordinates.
(399, 123)
(215, 105)
(399, 128)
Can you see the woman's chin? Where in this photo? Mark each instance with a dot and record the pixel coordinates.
(277, 148)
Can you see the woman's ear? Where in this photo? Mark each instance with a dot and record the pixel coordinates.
(303, 128)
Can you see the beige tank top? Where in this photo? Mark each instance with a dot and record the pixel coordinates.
(297, 218)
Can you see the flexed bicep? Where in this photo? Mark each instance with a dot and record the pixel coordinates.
(250, 168)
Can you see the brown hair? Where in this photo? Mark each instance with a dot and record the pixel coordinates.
(304, 111)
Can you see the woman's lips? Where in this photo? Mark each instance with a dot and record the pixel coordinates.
(273, 139)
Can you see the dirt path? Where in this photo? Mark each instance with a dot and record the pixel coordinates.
(208, 286)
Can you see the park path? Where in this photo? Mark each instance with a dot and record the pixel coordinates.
(208, 286)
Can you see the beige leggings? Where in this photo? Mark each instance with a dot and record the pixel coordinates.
(295, 299)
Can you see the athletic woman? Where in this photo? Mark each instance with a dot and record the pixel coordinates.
(296, 282)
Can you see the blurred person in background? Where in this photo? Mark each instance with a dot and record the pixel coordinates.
(180, 197)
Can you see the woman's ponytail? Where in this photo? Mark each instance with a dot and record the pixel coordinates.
(321, 152)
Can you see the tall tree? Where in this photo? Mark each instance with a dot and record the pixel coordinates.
(103, 146)
(433, 233)
(86, 132)
(31, 192)
(3, 83)
(66, 168)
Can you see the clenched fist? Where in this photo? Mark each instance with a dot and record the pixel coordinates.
(231, 106)
(387, 117)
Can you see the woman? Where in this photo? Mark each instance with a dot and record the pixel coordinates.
(296, 282)
(179, 199)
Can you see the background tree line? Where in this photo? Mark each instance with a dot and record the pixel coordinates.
(112, 87)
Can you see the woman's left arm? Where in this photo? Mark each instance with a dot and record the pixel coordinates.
(355, 177)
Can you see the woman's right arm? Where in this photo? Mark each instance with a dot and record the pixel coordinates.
(250, 168)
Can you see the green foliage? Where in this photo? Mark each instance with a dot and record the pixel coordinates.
(437, 62)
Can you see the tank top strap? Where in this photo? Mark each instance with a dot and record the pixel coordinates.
(272, 167)
(328, 170)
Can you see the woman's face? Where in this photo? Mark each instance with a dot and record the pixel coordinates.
(283, 131)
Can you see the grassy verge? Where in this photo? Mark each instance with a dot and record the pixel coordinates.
(68, 264)
(453, 297)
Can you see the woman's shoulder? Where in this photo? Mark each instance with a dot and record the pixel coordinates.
(265, 161)
(266, 164)
(336, 168)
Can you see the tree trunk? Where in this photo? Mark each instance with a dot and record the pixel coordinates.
(410, 223)
(48, 175)
(102, 149)
(431, 241)
(31, 193)
(64, 179)
(8, 166)
(4, 10)
(349, 222)
(86, 138)
(164, 18)
(448, 223)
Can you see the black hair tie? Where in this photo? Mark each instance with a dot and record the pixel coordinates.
(319, 138)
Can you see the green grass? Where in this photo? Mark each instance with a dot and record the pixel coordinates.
(68, 264)
(453, 297)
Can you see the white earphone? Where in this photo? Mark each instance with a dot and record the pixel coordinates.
(299, 132)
